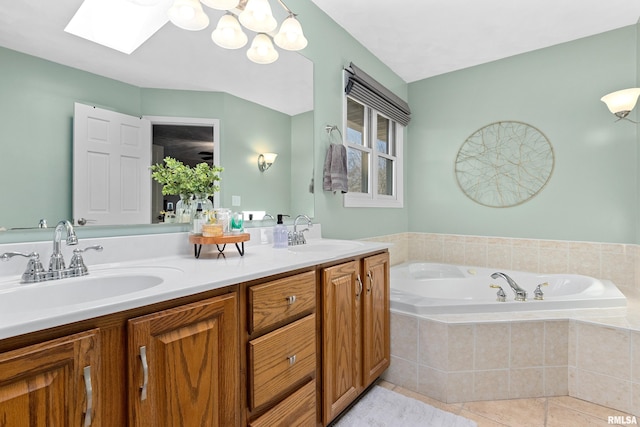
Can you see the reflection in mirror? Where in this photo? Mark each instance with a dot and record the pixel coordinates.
(190, 145)
(44, 71)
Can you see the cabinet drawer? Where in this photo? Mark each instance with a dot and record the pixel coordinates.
(281, 300)
(280, 359)
(299, 409)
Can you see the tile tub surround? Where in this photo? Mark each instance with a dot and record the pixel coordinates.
(601, 347)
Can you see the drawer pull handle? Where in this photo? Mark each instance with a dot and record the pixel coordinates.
(89, 391)
(370, 274)
(360, 287)
(145, 373)
(291, 299)
(292, 360)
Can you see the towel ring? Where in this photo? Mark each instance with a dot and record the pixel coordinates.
(331, 128)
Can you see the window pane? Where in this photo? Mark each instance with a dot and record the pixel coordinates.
(355, 122)
(382, 138)
(385, 176)
(358, 167)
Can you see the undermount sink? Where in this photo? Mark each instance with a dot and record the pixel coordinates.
(95, 286)
(326, 246)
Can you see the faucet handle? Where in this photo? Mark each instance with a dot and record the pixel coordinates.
(34, 271)
(77, 264)
(501, 296)
(538, 294)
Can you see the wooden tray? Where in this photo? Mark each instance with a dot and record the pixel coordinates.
(199, 240)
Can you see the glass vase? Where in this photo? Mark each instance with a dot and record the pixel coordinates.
(205, 203)
(184, 209)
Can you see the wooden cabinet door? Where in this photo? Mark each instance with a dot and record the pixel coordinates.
(53, 384)
(375, 317)
(184, 365)
(341, 364)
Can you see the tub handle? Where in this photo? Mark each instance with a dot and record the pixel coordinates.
(501, 296)
(370, 275)
(360, 287)
(538, 294)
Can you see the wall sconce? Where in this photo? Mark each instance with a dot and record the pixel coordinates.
(622, 102)
(265, 160)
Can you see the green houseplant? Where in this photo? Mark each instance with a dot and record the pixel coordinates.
(177, 178)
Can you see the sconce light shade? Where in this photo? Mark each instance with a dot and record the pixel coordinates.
(265, 160)
(188, 15)
(257, 16)
(262, 50)
(621, 102)
(290, 36)
(221, 4)
(228, 33)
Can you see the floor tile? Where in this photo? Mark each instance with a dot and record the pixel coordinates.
(514, 412)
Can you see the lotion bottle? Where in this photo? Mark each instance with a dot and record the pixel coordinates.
(280, 234)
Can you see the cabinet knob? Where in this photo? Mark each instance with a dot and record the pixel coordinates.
(291, 299)
(292, 360)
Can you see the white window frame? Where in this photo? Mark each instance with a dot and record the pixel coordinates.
(372, 199)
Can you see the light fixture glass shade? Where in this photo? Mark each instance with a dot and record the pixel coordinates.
(262, 50)
(221, 4)
(228, 33)
(257, 16)
(290, 36)
(621, 102)
(188, 15)
(265, 160)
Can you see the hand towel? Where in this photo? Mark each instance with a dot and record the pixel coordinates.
(334, 176)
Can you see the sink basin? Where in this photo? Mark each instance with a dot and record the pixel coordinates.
(96, 286)
(326, 246)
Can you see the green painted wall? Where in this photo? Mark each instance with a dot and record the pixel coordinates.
(331, 48)
(592, 194)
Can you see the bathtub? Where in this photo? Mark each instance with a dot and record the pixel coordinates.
(430, 288)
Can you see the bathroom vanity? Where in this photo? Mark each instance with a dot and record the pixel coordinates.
(275, 337)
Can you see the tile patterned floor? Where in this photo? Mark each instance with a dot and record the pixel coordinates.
(560, 411)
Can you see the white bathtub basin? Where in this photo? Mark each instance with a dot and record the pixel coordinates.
(430, 288)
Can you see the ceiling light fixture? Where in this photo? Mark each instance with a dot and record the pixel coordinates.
(254, 15)
(622, 102)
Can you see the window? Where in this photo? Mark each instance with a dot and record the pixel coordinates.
(374, 157)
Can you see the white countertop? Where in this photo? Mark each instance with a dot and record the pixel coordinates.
(167, 256)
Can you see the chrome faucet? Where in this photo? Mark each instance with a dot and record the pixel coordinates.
(521, 294)
(36, 273)
(297, 237)
(56, 262)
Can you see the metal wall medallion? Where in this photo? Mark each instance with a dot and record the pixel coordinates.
(504, 164)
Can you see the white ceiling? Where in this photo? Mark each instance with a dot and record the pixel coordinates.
(36, 27)
(423, 38)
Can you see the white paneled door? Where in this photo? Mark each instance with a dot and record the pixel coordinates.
(111, 159)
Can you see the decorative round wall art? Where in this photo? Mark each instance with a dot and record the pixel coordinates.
(504, 164)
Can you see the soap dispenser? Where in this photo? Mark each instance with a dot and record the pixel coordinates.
(280, 233)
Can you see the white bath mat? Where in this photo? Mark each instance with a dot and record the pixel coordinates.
(381, 407)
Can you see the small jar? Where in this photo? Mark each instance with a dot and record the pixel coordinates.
(212, 230)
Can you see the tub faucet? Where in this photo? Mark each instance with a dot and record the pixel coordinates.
(56, 263)
(521, 294)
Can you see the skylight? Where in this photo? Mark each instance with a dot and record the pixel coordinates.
(118, 24)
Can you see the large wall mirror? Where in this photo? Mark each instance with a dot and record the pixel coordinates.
(261, 108)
